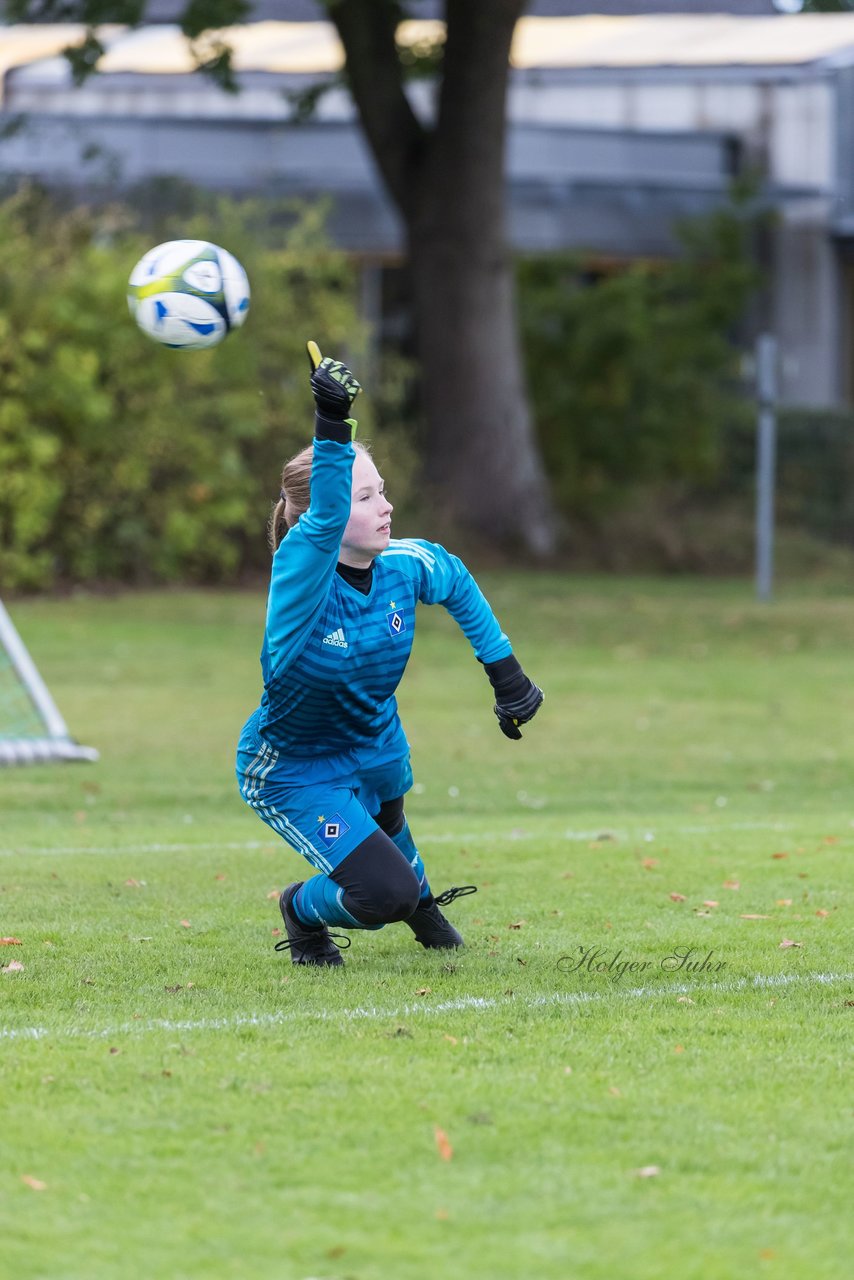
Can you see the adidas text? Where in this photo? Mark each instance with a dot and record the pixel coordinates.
(336, 638)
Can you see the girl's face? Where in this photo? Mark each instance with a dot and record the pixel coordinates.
(369, 527)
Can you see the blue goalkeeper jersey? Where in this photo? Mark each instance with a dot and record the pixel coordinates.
(333, 657)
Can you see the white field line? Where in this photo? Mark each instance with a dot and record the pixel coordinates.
(446, 837)
(371, 1013)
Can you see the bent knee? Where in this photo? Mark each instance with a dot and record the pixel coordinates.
(383, 904)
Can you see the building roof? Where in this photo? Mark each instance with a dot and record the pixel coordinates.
(591, 41)
(686, 40)
(159, 11)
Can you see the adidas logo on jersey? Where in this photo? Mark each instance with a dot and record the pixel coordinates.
(336, 638)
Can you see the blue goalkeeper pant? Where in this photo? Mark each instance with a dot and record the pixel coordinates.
(350, 827)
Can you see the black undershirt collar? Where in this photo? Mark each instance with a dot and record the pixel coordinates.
(361, 579)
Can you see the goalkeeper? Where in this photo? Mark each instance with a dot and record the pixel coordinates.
(324, 759)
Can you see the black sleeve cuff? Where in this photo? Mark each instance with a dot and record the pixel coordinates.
(507, 677)
(332, 429)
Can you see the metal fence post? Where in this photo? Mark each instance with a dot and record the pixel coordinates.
(766, 458)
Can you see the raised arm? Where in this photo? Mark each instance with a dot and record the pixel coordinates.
(305, 560)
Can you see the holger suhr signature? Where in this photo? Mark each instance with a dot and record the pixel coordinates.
(613, 964)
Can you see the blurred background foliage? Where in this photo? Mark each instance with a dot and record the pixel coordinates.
(124, 461)
(634, 370)
(121, 461)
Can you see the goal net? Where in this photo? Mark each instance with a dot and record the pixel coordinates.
(31, 728)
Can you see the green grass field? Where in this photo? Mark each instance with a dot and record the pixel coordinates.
(562, 1099)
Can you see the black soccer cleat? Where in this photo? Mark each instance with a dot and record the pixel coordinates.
(307, 945)
(431, 928)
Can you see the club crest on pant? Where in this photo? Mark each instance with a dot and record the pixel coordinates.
(396, 623)
(332, 829)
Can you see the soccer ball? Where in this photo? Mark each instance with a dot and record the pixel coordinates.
(188, 293)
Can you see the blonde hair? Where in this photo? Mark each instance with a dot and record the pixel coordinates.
(295, 493)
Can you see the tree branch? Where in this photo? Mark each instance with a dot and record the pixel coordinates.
(375, 76)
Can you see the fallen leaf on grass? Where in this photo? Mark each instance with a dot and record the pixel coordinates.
(11, 942)
(274, 893)
(647, 1171)
(14, 966)
(710, 902)
(520, 924)
(649, 864)
(220, 876)
(133, 884)
(275, 932)
(678, 1048)
(442, 1215)
(185, 924)
(822, 913)
(731, 884)
(684, 1000)
(779, 855)
(752, 917)
(443, 1145)
(677, 897)
(451, 1039)
(614, 1091)
(787, 942)
(424, 991)
(35, 1184)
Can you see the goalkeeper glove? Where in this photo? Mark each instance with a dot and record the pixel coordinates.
(517, 699)
(334, 389)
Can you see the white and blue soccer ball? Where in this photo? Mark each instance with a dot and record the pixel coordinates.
(188, 293)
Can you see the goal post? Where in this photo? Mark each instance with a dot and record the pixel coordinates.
(32, 731)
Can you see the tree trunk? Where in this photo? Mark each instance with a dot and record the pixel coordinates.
(482, 464)
(482, 461)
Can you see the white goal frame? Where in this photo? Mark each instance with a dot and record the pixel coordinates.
(56, 742)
